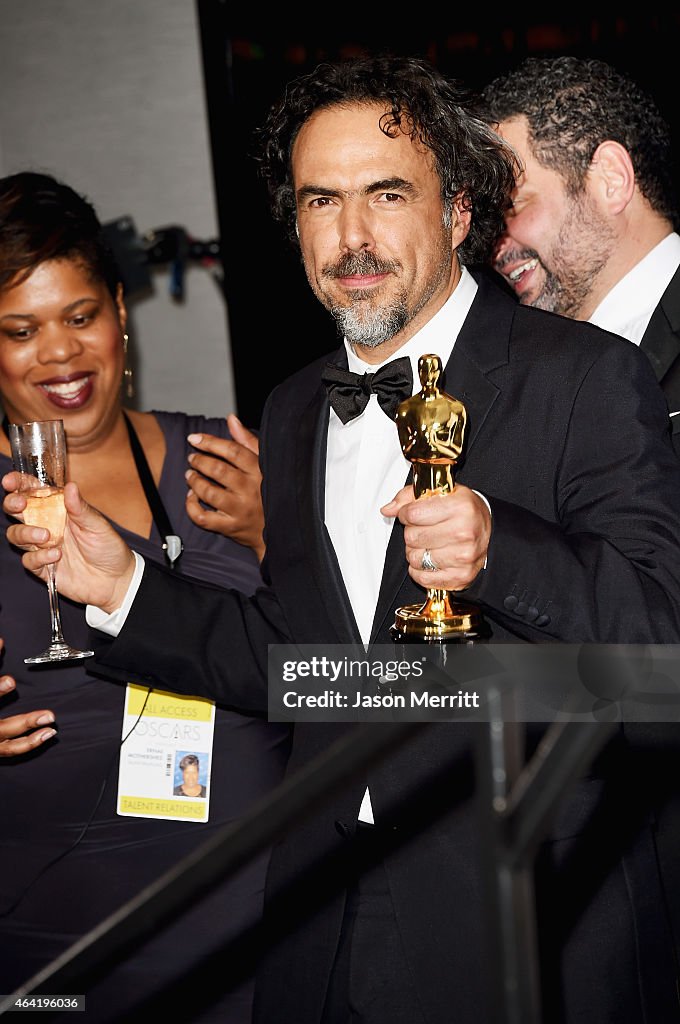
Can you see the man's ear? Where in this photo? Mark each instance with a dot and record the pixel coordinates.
(461, 216)
(611, 171)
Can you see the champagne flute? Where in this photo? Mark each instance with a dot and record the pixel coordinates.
(39, 455)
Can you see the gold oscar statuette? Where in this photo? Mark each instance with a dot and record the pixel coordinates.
(431, 428)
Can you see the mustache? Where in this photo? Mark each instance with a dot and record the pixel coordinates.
(359, 263)
(513, 256)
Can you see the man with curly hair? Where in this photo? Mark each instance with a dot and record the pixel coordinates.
(592, 230)
(562, 526)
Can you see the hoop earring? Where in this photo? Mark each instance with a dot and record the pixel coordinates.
(128, 384)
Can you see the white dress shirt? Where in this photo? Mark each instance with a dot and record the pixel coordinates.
(365, 467)
(628, 307)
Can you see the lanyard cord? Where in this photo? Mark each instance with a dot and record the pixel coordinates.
(172, 543)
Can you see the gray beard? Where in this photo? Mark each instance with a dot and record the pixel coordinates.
(364, 325)
(559, 295)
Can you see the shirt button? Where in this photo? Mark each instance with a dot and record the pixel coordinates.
(510, 602)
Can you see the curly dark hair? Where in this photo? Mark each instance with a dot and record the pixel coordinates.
(573, 104)
(472, 161)
(43, 219)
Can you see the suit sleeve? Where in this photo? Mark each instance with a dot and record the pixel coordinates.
(607, 570)
(194, 638)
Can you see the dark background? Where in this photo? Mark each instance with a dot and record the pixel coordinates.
(275, 323)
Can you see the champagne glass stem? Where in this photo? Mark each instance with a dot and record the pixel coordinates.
(55, 617)
(39, 455)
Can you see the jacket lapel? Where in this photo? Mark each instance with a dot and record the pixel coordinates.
(481, 347)
(311, 485)
(394, 576)
(661, 340)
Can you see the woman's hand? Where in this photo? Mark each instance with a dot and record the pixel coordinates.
(225, 474)
(16, 731)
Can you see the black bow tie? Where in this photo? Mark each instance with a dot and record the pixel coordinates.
(349, 392)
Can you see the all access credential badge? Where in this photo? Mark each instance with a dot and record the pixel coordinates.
(165, 755)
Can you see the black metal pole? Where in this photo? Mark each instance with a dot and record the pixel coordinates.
(516, 800)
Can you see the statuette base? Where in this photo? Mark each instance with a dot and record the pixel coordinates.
(439, 621)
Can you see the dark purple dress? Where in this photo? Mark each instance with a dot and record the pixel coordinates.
(60, 800)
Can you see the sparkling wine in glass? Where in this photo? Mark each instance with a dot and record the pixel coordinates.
(39, 455)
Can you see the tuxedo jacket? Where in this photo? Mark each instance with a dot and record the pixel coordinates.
(661, 343)
(568, 439)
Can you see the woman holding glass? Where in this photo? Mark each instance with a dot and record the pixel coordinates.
(68, 855)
